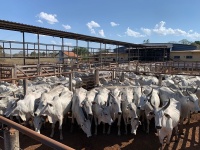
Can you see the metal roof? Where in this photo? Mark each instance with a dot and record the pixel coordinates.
(8, 25)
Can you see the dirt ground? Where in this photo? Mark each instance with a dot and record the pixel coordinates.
(142, 141)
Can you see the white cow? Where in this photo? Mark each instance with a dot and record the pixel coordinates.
(146, 102)
(101, 111)
(56, 109)
(115, 104)
(79, 113)
(167, 118)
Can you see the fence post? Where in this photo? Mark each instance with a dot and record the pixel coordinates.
(38, 69)
(97, 77)
(160, 80)
(113, 74)
(70, 81)
(14, 73)
(11, 139)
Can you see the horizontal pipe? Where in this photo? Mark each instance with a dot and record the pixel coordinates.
(36, 136)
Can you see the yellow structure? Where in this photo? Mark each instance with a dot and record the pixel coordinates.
(189, 55)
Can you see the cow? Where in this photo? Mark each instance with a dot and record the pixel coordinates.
(79, 113)
(55, 109)
(127, 98)
(144, 104)
(115, 103)
(101, 111)
(135, 122)
(167, 118)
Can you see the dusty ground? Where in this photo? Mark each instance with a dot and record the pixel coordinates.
(78, 140)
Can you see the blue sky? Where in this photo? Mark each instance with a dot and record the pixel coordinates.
(124, 20)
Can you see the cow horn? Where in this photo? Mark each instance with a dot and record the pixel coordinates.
(151, 103)
(161, 104)
(150, 93)
(196, 89)
(187, 92)
(167, 105)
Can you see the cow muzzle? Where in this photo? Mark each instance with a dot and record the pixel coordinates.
(119, 113)
(138, 107)
(158, 127)
(35, 114)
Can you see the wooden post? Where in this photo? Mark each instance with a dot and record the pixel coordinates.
(25, 86)
(113, 75)
(38, 69)
(11, 139)
(14, 73)
(160, 80)
(70, 81)
(97, 77)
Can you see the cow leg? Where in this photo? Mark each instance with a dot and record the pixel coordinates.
(189, 116)
(176, 133)
(125, 124)
(181, 126)
(52, 129)
(109, 126)
(169, 137)
(18, 119)
(104, 128)
(95, 122)
(72, 124)
(119, 123)
(60, 128)
(148, 122)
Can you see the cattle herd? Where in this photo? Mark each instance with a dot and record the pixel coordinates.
(135, 99)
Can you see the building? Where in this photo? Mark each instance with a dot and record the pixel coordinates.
(68, 57)
(154, 51)
(190, 55)
(111, 57)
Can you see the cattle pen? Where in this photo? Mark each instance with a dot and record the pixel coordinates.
(92, 70)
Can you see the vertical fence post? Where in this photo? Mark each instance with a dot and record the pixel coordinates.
(113, 75)
(70, 81)
(14, 73)
(97, 77)
(11, 139)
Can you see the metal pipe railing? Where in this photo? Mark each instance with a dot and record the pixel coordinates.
(36, 136)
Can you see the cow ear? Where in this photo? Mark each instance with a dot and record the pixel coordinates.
(167, 115)
(50, 104)
(22, 116)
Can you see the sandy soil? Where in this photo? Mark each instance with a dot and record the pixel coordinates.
(78, 140)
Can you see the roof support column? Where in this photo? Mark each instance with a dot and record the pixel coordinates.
(76, 50)
(100, 55)
(24, 63)
(105, 59)
(38, 40)
(118, 53)
(88, 59)
(62, 49)
(129, 54)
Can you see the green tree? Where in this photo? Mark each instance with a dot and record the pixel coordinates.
(82, 51)
(185, 41)
(146, 41)
(197, 44)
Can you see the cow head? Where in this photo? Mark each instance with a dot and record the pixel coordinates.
(193, 103)
(86, 127)
(37, 122)
(115, 101)
(159, 114)
(135, 122)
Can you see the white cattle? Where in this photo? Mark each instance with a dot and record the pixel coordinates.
(167, 118)
(115, 104)
(79, 113)
(135, 122)
(188, 103)
(127, 98)
(101, 112)
(56, 109)
(146, 102)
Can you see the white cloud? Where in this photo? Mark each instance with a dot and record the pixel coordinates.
(119, 35)
(132, 33)
(91, 25)
(113, 24)
(161, 29)
(67, 27)
(40, 21)
(146, 31)
(53, 42)
(101, 32)
(50, 18)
